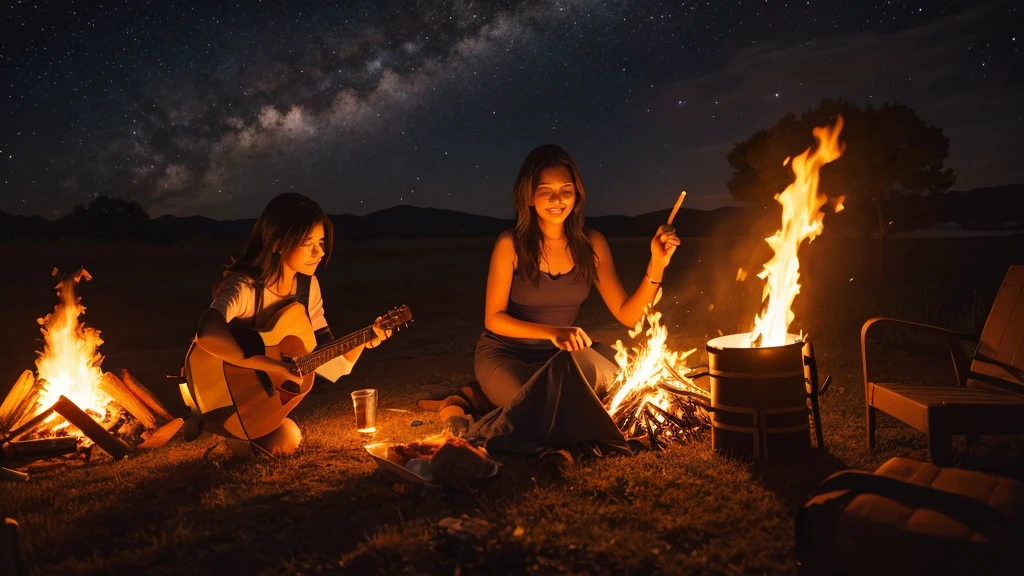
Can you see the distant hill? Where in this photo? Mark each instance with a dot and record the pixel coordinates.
(982, 208)
(412, 221)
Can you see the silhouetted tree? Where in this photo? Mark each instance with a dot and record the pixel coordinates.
(107, 217)
(890, 152)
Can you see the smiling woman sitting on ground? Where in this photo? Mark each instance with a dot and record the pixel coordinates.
(543, 373)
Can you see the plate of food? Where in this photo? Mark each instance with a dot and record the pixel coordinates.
(437, 460)
(394, 457)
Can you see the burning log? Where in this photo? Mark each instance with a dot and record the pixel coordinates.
(41, 448)
(682, 420)
(651, 436)
(46, 428)
(665, 417)
(30, 426)
(115, 417)
(131, 429)
(20, 402)
(147, 397)
(163, 435)
(73, 414)
(123, 396)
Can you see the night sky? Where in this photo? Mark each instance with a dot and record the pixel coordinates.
(212, 108)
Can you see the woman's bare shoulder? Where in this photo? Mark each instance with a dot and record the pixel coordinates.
(505, 242)
(505, 248)
(596, 237)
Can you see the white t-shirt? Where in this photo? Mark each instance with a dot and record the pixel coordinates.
(236, 300)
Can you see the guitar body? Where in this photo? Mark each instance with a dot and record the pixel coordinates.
(247, 404)
(234, 400)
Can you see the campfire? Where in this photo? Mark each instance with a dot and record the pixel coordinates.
(653, 395)
(58, 414)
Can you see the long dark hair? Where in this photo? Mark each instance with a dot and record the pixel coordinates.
(283, 225)
(528, 237)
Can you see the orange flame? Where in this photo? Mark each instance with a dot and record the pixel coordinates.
(649, 364)
(69, 362)
(801, 219)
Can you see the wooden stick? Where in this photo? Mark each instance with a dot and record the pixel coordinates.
(9, 475)
(46, 427)
(668, 417)
(650, 431)
(675, 208)
(42, 448)
(109, 443)
(29, 426)
(122, 394)
(690, 385)
(20, 402)
(147, 397)
(163, 435)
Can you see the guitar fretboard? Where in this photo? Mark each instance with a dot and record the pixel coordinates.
(315, 359)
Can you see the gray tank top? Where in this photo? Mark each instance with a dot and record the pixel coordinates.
(554, 301)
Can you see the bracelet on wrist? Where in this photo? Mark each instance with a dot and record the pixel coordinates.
(652, 280)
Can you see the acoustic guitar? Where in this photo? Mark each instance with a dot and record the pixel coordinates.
(247, 404)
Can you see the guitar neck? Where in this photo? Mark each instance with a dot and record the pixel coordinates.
(328, 352)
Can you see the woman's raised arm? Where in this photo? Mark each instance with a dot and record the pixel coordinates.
(629, 309)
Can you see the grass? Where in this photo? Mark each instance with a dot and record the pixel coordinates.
(328, 510)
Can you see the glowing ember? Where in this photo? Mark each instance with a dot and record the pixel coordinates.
(69, 362)
(644, 369)
(801, 219)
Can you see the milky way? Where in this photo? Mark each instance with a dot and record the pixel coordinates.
(213, 109)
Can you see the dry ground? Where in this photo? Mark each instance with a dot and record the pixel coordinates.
(326, 510)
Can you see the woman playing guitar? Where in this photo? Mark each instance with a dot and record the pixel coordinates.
(289, 241)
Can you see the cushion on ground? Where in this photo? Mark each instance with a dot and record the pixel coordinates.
(912, 517)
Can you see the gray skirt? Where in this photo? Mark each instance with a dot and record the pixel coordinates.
(545, 397)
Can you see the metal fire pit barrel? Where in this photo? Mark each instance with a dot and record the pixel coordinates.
(758, 397)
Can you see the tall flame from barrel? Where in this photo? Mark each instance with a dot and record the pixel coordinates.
(801, 220)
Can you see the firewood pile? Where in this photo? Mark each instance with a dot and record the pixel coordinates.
(684, 416)
(34, 438)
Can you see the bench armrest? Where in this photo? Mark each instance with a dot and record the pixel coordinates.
(954, 343)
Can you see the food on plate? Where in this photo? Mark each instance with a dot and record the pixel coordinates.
(450, 461)
(458, 464)
(401, 453)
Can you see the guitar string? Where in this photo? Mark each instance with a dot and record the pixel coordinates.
(311, 361)
(332, 351)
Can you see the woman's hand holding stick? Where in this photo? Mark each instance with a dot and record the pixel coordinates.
(663, 245)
